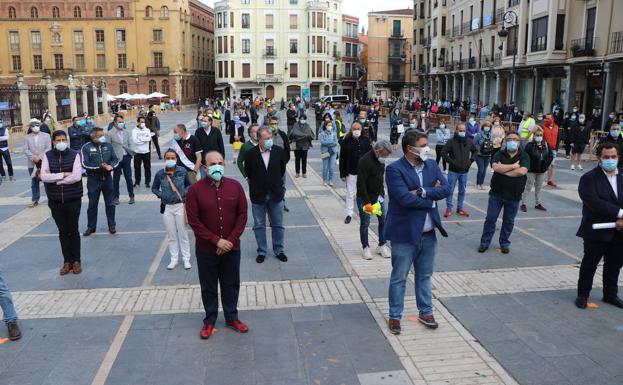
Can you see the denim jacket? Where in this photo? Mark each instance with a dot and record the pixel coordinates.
(328, 141)
(162, 188)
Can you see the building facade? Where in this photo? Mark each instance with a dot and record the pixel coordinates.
(128, 46)
(390, 65)
(350, 55)
(569, 52)
(278, 48)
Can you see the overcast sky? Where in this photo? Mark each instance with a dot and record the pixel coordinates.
(360, 8)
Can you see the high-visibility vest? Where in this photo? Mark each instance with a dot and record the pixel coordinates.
(216, 115)
(340, 129)
(525, 128)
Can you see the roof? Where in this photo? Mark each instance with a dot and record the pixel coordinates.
(406, 12)
(363, 38)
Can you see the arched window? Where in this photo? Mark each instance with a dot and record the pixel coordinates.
(99, 13)
(34, 13)
(270, 92)
(77, 12)
(12, 13)
(152, 86)
(56, 13)
(56, 38)
(165, 87)
(120, 11)
(149, 11)
(123, 87)
(164, 11)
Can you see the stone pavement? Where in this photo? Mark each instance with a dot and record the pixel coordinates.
(317, 319)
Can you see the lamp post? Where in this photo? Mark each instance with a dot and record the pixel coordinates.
(406, 57)
(511, 18)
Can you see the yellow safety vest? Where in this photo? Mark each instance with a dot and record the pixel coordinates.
(216, 115)
(525, 129)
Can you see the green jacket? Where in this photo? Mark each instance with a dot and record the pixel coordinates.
(240, 162)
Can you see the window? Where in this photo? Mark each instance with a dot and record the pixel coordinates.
(152, 86)
(100, 62)
(590, 28)
(270, 2)
(539, 34)
(122, 61)
(270, 47)
(231, 20)
(37, 62)
(79, 63)
(294, 2)
(347, 70)
(12, 14)
(56, 38)
(164, 12)
(443, 26)
(120, 11)
(396, 28)
(434, 27)
(294, 70)
(77, 12)
(158, 61)
(246, 20)
(120, 34)
(269, 21)
(246, 2)
(270, 68)
(58, 61)
(219, 20)
(294, 46)
(246, 45)
(560, 32)
(220, 69)
(157, 35)
(511, 41)
(14, 40)
(149, 11)
(34, 13)
(56, 13)
(164, 87)
(99, 13)
(123, 87)
(231, 44)
(99, 38)
(78, 40)
(246, 70)
(294, 22)
(16, 63)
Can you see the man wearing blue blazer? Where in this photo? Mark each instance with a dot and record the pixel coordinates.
(414, 184)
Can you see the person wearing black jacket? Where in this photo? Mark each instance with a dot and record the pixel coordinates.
(578, 138)
(291, 115)
(540, 159)
(459, 152)
(373, 117)
(319, 111)
(265, 168)
(210, 139)
(370, 190)
(614, 137)
(352, 148)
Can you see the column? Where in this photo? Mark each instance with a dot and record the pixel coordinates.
(538, 87)
(23, 99)
(463, 86)
(447, 90)
(73, 106)
(498, 79)
(472, 93)
(104, 98)
(455, 94)
(94, 88)
(570, 83)
(51, 88)
(609, 72)
(85, 99)
(483, 94)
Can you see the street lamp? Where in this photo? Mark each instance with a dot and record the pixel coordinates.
(511, 18)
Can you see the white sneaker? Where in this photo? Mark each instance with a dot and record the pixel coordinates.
(573, 167)
(331, 184)
(580, 167)
(187, 265)
(384, 251)
(172, 265)
(367, 254)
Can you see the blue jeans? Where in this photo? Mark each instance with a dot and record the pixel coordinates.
(422, 258)
(6, 303)
(95, 185)
(508, 220)
(364, 224)
(125, 168)
(482, 162)
(454, 177)
(34, 186)
(328, 165)
(274, 209)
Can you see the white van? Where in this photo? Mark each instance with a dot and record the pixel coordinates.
(342, 99)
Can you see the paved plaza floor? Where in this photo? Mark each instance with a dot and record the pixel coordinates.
(317, 319)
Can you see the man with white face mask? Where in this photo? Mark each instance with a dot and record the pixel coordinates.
(141, 137)
(36, 145)
(352, 148)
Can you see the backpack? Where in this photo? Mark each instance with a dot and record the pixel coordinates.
(487, 147)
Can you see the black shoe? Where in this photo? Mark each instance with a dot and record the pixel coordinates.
(260, 258)
(115, 202)
(286, 209)
(147, 185)
(615, 301)
(482, 249)
(14, 332)
(581, 302)
(428, 321)
(348, 219)
(131, 202)
(137, 185)
(505, 250)
(88, 232)
(282, 257)
(394, 326)
(112, 230)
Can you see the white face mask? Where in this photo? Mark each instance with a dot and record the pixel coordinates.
(61, 146)
(142, 125)
(421, 152)
(356, 133)
(35, 129)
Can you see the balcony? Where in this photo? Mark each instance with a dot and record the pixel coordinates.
(121, 44)
(14, 46)
(426, 42)
(100, 45)
(538, 45)
(270, 78)
(270, 52)
(62, 73)
(486, 62)
(397, 35)
(448, 33)
(471, 64)
(512, 3)
(337, 55)
(463, 64)
(616, 45)
(158, 70)
(497, 60)
(466, 28)
(456, 31)
(396, 78)
(583, 47)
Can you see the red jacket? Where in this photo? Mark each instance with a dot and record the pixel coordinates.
(550, 135)
(216, 213)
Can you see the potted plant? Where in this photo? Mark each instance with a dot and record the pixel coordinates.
(575, 49)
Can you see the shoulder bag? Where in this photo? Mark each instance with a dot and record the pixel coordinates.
(178, 195)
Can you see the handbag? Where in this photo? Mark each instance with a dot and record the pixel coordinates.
(179, 196)
(237, 145)
(324, 155)
(292, 146)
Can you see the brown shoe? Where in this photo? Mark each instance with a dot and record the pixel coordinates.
(428, 321)
(77, 268)
(66, 268)
(14, 332)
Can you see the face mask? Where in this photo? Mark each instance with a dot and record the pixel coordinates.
(516, 111)
(496, 124)
(61, 146)
(371, 109)
(35, 129)
(581, 120)
(575, 110)
(472, 121)
(421, 153)
(357, 133)
(142, 125)
(548, 122)
(512, 146)
(121, 126)
(611, 116)
(609, 165)
(89, 121)
(362, 120)
(539, 118)
(170, 163)
(203, 124)
(461, 134)
(538, 139)
(82, 122)
(101, 139)
(615, 133)
(442, 126)
(216, 172)
(303, 121)
(487, 129)
(268, 144)
(177, 136)
(329, 128)
(273, 127)
(412, 125)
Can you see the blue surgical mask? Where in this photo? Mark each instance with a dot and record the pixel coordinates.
(121, 125)
(487, 128)
(203, 124)
(170, 163)
(538, 139)
(512, 146)
(412, 125)
(615, 133)
(609, 165)
(216, 172)
(177, 136)
(268, 144)
(461, 134)
(82, 122)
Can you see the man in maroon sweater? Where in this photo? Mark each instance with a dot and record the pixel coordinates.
(217, 212)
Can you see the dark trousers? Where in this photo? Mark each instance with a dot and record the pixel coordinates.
(145, 159)
(494, 208)
(125, 168)
(612, 252)
(318, 124)
(154, 140)
(66, 216)
(9, 165)
(300, 156)
(438, 157)
(224, 270)
(96, 185)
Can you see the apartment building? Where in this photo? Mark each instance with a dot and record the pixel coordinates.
(570, 52)
(390, 64)
(132, 46)
(350, 55)
(278, 48)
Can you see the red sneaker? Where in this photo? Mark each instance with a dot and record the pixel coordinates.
(552, 183)
(238, 326)
(447, 213)
(462, 213)
(206, 331)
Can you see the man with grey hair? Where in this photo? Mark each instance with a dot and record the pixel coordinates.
(370, 191)
(353, 147)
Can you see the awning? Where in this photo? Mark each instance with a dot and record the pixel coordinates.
(246, 86)
(220, 88)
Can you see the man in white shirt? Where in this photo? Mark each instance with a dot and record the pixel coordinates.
(37, 144)
(141, 137)
(4, 152)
